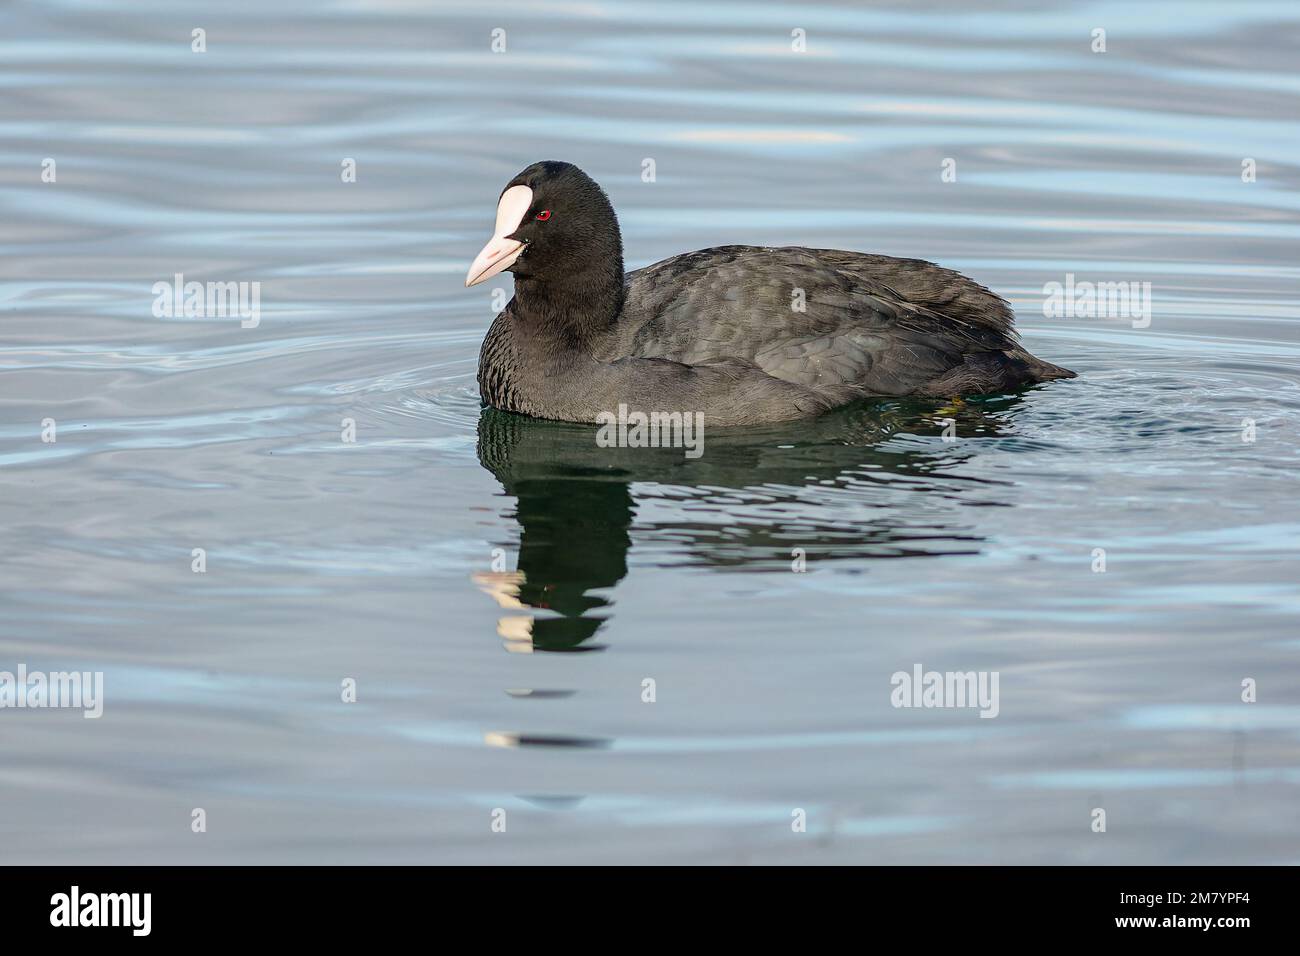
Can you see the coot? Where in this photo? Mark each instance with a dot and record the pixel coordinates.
(742, 334)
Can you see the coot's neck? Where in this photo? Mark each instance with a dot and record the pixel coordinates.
(570, 313)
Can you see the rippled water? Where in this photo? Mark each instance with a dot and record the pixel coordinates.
(374, 560)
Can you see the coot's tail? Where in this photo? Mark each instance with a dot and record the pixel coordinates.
(983, 373)
(1044, 371)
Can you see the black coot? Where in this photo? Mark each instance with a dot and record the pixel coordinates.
(743, 334)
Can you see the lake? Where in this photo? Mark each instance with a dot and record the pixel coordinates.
(344, 614)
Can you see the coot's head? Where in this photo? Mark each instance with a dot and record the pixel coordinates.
(553, 224)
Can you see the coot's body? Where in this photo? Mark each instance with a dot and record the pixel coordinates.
(744, 334)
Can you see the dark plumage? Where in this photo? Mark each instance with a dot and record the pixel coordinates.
(718, 331)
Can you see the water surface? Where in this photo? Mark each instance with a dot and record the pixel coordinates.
(500, 589)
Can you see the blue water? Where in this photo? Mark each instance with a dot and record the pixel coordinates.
(500, 589)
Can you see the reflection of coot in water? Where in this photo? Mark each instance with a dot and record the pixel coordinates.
(573, 520)
(575, 505)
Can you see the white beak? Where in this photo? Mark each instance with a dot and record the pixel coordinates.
(501, 252)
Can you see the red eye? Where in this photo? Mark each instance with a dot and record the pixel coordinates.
(544, 215)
